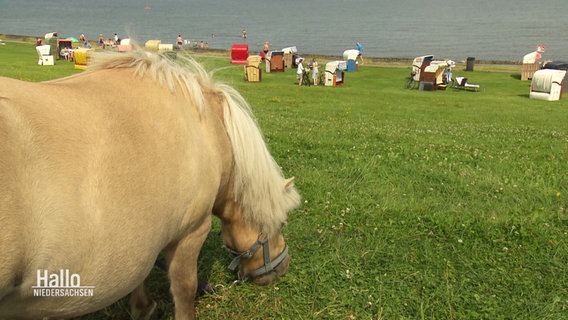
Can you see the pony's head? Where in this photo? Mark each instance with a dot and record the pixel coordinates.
(259, 250)
(257, 201)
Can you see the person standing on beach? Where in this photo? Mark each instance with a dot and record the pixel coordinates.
(266, 47)
(265, 50)
(315, 71)
(179, 41)
(360, 48)
(300, 71)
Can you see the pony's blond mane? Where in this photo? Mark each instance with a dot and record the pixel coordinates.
(258, 183)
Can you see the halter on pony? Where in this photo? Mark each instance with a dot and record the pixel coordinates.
(268, 266)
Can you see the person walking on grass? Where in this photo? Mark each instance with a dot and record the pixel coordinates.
(360, 48)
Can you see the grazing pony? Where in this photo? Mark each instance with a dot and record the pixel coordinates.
(102, 171)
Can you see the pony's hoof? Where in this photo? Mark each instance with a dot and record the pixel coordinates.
(204, 287)
(150, 313)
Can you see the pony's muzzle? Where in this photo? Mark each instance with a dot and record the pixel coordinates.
(280, 270)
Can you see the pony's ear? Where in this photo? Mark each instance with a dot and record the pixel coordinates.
(289, 183)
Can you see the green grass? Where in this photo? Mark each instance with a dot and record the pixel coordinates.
(416, 205)
(19, 60)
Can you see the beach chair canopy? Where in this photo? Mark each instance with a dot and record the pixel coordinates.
(350, 54)
(557, 65)
(43, 50)
(418, 61)
(417, 64)
(335, 65)
(292, 49)
(331, 66)
(254, 60)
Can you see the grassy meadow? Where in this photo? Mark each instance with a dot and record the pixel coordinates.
(416, 205)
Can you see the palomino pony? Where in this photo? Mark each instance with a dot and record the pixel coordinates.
(102, 171)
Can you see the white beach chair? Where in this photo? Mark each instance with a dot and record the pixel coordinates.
(461, 83)
(45, 59)
(547, 84)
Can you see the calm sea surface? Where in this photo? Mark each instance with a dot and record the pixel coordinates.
(455, 29)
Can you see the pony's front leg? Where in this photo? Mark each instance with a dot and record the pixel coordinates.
(182, 270)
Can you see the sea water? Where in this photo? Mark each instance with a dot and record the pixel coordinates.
(454, 29)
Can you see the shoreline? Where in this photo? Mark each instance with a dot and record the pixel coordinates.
(485, 64)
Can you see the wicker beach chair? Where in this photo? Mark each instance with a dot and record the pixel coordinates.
(252, 69)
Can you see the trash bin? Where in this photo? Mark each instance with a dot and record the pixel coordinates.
(470, 63)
